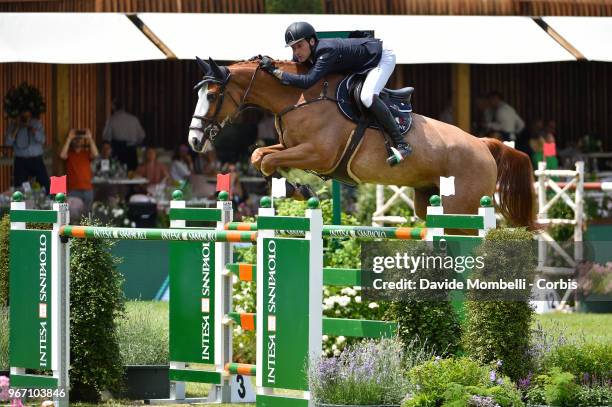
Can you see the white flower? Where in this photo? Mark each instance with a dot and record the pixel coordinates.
(126, 221)
(325, 337)
(337, 353)
(340, 340)
(372, 305)
(344, 301)
(358, 299)
(334, 347)
(349, 291)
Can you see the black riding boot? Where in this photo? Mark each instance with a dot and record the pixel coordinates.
(402, 149)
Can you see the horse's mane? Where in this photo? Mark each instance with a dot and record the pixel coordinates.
(283, 64)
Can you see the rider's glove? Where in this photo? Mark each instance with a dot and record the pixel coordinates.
(267, 64)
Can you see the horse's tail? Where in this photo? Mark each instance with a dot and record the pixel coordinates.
(514, 184)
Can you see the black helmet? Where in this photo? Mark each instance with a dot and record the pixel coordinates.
(299, 31)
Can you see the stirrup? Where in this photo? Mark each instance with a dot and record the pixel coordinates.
(396, 156)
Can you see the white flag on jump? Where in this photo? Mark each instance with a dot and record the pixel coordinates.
(279, 187)
(447, 186)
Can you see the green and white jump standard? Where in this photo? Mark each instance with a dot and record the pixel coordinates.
(289, 274)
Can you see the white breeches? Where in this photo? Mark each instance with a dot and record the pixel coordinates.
(377, 78)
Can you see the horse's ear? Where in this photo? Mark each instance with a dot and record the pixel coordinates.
(217, 72)
(203, 66)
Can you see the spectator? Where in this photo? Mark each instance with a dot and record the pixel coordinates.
(27, 137)
(78, 151)
(502, 117)
(105, 164)
(479, 124)
(125, 133)
(155, 172)
(182, 164)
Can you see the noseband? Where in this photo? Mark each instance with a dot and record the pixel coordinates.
(212, 123)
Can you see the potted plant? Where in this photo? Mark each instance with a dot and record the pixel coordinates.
(370, 373)
(143, 344)
(595, 287)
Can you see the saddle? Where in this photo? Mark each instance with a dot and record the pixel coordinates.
(398, 101)
(349, 102)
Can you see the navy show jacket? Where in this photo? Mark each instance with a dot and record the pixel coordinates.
(337, 55)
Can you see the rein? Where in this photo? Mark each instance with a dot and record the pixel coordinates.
(215, 125)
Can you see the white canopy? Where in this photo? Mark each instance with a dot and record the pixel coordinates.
(415, 39)
(73, 38)
(592, 36)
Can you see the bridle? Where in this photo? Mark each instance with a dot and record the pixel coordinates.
(210, 126)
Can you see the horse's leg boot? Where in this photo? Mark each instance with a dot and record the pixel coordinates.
(384, 117)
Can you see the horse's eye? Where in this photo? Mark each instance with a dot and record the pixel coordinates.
(211, 96)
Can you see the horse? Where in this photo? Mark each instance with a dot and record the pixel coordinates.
(314, 135)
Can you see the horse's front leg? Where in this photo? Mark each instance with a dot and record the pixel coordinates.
(261, 152)
(303, 157)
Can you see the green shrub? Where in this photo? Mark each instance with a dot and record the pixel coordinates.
(560, 389)
(4, 338)
(587, 396)
(500, 330)
(436, 375)
(293, 6)
(96, 304)
(5, 226)
(143, 334)
(434, 323)
(591, 360)
(459, 382)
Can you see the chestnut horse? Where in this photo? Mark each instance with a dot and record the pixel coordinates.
(314, 135)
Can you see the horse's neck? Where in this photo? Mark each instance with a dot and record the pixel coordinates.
(267, 92)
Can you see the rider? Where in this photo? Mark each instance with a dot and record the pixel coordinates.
(337, 55)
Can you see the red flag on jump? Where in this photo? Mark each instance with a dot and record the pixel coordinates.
(224, 183)
(58, 185)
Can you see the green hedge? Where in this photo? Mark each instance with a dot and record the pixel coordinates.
(500, 330)
(96, 303)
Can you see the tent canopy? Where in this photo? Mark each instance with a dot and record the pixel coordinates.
(415, 39)
(73, 38)
(590, 35)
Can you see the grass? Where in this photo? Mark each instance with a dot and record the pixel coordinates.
(590, 327)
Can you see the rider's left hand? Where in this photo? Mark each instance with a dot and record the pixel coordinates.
(267, 64)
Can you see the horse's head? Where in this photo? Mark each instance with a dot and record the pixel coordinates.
(211, 111)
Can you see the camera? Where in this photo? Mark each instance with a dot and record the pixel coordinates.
(80, 133)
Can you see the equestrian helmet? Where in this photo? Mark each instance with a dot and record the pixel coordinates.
(298, 31)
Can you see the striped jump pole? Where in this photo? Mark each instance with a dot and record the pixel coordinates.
(193, 235)
(400, 233)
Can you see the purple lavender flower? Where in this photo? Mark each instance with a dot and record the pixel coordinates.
(492, 375)
(524, 383)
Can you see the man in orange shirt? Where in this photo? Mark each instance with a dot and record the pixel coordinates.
(78, 152)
